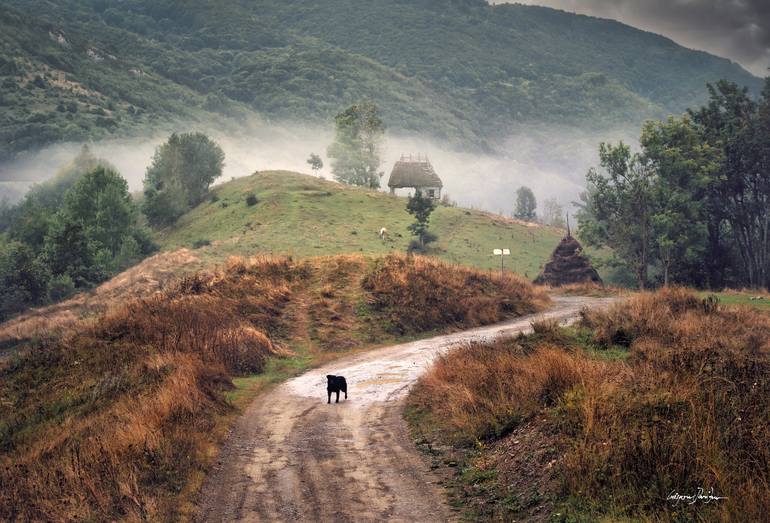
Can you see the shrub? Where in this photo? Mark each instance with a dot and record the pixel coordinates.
(415, 293)
(203, 242)
(688, 409)
(251, 200)
(60, 287)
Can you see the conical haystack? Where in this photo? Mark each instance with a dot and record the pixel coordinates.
(568, 265)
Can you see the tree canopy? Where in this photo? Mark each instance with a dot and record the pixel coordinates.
(355, 152)
(693, 205)
(421, 207)
(179, 176)
(69, 233)
(525, 204)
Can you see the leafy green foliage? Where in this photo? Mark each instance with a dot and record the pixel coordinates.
(621, 205)
(69, 233)
(179, 177)
(694, 204)
(525, 204)
(80, 69)
(355, 152)
(315, 162)
(23, 278)
(421, 208)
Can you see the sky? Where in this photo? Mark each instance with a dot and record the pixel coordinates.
(735, 29)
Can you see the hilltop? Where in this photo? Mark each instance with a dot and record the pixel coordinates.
(464, 71)
(303, 216)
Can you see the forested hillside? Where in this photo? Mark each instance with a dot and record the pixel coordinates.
(462, 71)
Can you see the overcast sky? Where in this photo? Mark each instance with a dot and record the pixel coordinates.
(735, 29)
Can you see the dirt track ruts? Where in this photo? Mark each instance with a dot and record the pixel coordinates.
(292, 457)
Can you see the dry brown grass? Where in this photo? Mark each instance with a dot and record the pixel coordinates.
(112, 422)
(689, 408)
(115, 417)
(417, 293)
(483, 391)
(587, 289)
(149, 276)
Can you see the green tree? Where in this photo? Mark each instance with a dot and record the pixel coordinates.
(68, 252)
(101, 203)
(315, 162)
(685, 168)
(525, 204)
(23, 278)
(355, 152)
(739, 128)
(421, 208)
(95, 233)
(179, 177)
(622, 204)
(29, 221)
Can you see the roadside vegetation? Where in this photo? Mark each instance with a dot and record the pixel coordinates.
(692, 207)
(118, 417)
(666, 392)
(69, 234)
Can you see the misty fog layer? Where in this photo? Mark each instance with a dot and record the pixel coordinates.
(552, 161)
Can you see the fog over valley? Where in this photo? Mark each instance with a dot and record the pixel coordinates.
(551, 160)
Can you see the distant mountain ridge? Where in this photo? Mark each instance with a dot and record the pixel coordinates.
(462, 70)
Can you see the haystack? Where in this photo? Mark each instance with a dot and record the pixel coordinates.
(568, 265)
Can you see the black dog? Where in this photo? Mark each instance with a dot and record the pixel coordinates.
(336, 384)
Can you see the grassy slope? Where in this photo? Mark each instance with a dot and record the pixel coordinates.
(305, 216)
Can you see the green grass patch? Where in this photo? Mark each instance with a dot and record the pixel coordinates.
(303, 216)
(741, 298)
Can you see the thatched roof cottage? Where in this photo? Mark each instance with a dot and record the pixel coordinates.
(415, 173)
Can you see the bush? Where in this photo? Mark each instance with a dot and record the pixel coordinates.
(688, 409)
(418, 294)
(251, 200)
(197, 244)
(60, 287)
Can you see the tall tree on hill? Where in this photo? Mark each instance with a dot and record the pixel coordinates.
(28, 221)
(315, 162)
(179, 177)
(525, 204)
(93, 232)
(421, 208)
(355, 152)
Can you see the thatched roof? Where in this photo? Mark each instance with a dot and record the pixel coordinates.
(567, 265)
(408, 172)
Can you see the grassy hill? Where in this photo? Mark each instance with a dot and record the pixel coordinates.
(305, 216)
(463, 71)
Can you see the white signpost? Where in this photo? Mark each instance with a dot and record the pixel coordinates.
(502, 253)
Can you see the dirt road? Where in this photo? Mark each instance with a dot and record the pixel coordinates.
(292, 457)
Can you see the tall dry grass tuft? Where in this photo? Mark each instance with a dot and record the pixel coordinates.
(688, 409)
(694, 413)
(113, 421)
(416, 293)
